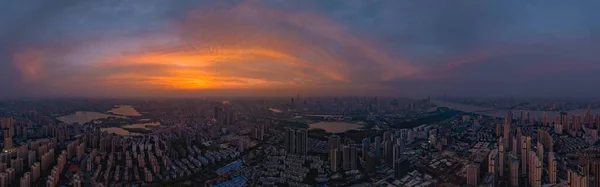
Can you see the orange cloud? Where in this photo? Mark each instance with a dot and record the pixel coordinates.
(245, 47)
(29, 62)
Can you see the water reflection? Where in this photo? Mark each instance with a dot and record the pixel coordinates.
(334, 127)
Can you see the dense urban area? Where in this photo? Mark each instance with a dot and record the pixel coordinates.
(353, 141)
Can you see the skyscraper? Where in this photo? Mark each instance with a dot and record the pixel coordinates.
(596, 172)
(514, 170)
(473, 174)
(366, 147)
(334, 143)
(290, 140)
(551, 168)
(493, 162)
(524, 161)
(519, 140)
(377, 145)
(334, 163)
(540, 151)
(506, 133)
(349, 158)
(501, 157)
(301, 142)
(576, 178)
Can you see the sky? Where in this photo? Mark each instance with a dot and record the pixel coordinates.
(134, 48)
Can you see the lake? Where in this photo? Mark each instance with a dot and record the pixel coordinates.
(142, 125)
(334, 127)
(125, 110)
(81, 117)
(84, 117)
(119, 131)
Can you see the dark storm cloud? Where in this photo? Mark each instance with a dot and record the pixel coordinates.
(466, 47)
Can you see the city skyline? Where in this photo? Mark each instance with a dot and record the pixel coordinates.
(276, 48)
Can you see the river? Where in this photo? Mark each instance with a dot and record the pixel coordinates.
(502, 113)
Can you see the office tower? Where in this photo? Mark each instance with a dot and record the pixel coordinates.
(349, 158)
(473, 174)
(334, 163)
(493, 162)
(527, 120)
(514, 170)
(397, 153)
(552, 168)
(290, 141)
(540, 151)
(576, 178)
(302, 138)
(366, 147)
(501, 158)
(510, 116)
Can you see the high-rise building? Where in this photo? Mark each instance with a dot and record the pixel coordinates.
(519, 140)
(401, 167)
(493, 162)
(301, 142)
(388, 152)
(506, 133)
(334, 143)
(498, 130)
(535, 170)
(552, 168)
(540, 151)
(576, 178)
(473, 174)
(377, 145)
(595, 171)
(290, 141)
(372, 162)
(577, 122)
(349, 158)
(366, 147)
(334, 163)
(3, 180)
(25, 180)
(514, 170)
(8, 143)
(501, 158)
